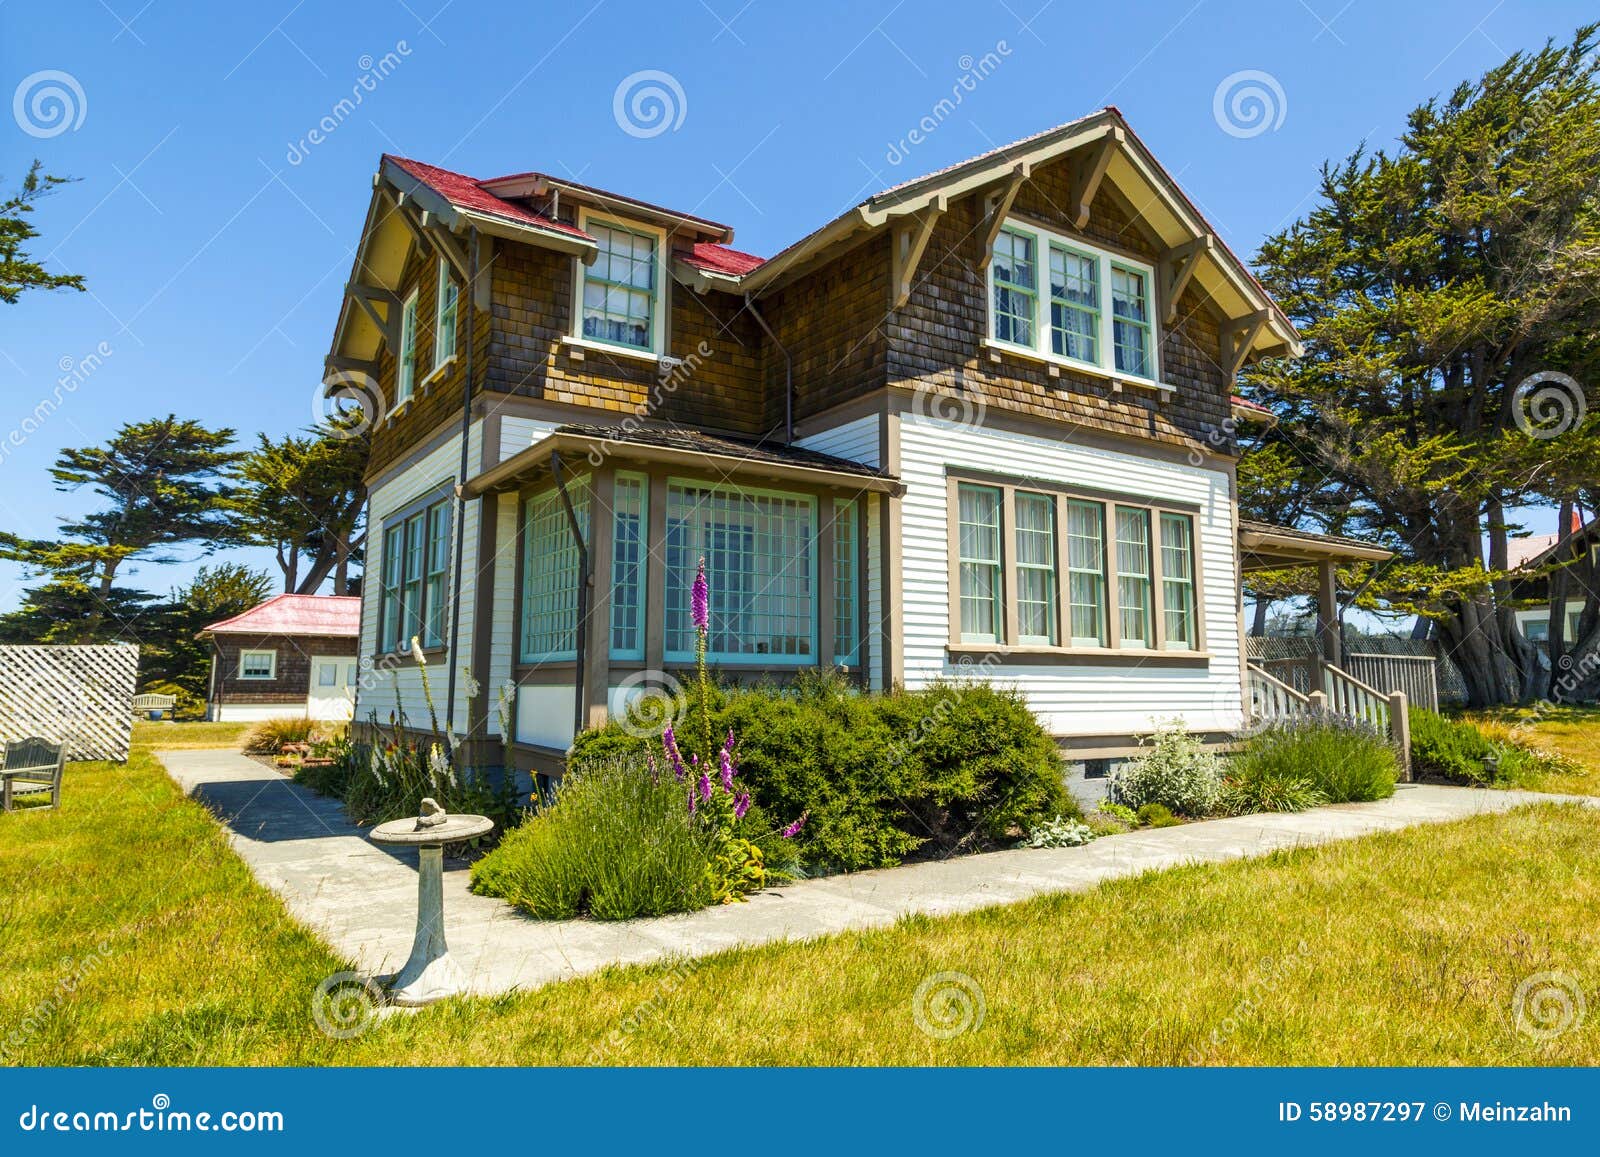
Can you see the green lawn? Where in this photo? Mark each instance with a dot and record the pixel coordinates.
(140, 938)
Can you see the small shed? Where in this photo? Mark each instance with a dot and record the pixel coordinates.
(294, 655)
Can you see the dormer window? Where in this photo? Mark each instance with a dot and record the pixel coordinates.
(620, 291)
(1078, 279)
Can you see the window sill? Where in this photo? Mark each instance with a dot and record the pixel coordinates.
(398, 410)
(439, 371)
(1115, 378)
(584, 343)
(1080, 656)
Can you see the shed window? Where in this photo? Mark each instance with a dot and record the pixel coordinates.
(258, 664)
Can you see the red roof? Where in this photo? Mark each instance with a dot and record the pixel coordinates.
(296, 615)
(720, 259)
(468, 193)
(1245, 404)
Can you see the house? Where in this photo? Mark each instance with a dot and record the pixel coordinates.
(294, 655)
(1533, 555)
(980, 424)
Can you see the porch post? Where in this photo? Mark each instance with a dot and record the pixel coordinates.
(1328, 611)
(597, 668)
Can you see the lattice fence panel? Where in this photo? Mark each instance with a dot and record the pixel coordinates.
(82, 696)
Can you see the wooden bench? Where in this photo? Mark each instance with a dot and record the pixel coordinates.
(33, 767)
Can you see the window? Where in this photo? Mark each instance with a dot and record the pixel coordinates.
(759, 551)
(620, 288)
(1177, 580)
(979, 553)
(1015, 287)
(627, 567)
(1130, 307)
(846, 576)
(549, 629)
(405, 374)
(1036, 569)
(350, 674)
(444, 322)
(258, 664)
(1573, 619)
(415, 570)
(1074, 304)
(1081, 331)
(327, 675)
(1086, 572)
(1537, 631)
(1133, 575)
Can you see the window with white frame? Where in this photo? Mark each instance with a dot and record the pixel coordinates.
(620, 291)
(1083, 280)
(444, 322)
(550, 574)
(629, 520)
(846, 583)
(405, 373)
(759, 548)
(258, 664)
(1051, 569)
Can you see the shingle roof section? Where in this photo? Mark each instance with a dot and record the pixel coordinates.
(693, 441)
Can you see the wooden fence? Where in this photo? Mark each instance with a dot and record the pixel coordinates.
(80, 696)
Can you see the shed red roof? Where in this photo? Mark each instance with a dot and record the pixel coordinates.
(296, 615)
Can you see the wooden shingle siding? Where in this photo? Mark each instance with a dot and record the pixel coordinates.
(936, 339)
(292, 679)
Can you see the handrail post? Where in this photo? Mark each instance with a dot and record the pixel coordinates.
(1400, 731)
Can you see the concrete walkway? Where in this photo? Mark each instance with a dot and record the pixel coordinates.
(363, 898)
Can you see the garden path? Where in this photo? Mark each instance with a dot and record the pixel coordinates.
(362, 898)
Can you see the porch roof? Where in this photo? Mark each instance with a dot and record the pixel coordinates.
(1263, 546)
(730, 458)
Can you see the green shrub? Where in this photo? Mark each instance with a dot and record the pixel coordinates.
(617, 842)
(1120, 812)
(1155, 815)
(388, 780)
(1176, 772)
(1313, 759)
(1102, 824)
(951, 767)
(269, 736)
(1451, 748)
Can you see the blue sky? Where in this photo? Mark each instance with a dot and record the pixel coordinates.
(216, 237)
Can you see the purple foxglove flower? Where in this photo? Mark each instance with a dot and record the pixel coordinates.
(650, 761)
(699, 600)
(705, 786)
(727, 770)
(793, 829)
(669, 744)
(741, 804)
(692, 800)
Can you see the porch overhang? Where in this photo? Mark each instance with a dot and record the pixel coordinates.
(688, 451)
(1263, 546)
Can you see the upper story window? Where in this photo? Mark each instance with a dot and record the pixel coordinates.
(444, 322)
(620, 291)
(1072, 324)
(405, 374)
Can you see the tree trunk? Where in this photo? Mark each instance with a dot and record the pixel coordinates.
(1258, 625)
(1558, 609)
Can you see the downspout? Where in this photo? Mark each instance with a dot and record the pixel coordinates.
(581, 644)
(461, 483)
(788, 368)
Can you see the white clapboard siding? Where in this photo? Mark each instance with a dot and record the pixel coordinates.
(503, 636)
(857, 441)
(518, 433)
(1072, 700)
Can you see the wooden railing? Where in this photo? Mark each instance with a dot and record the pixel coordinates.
(1271, 699)
(1416, 675)
(1348, 696)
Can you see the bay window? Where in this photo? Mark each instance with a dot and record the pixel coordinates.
(548, 631)
(414, 573)
(628, 525)
(1080, 330)
(1045, 569)
(846, 583)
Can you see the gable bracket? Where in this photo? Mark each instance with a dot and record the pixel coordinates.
(1179, 265)
(369, 297)
(1087, 177)
(997, 204)
(448, 247)
(909, 243)
(1237, 338)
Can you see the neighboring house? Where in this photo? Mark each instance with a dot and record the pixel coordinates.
(1540, 550)
(978, 424)
(294, 655)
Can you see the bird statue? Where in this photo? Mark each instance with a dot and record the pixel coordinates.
(431, 815)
